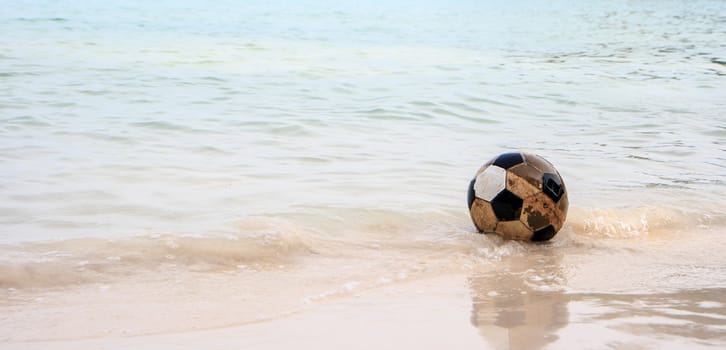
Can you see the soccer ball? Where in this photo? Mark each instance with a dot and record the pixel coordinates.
(518, 196)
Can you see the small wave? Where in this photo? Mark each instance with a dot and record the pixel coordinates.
(161, 125)
(388, 114)
(455, 110)
(47, 19)
(79, 261)
(27, 121)
(165, 126)
(478, 100)
(96, 135)
(290, 130)
(434, 241)
(637, 222)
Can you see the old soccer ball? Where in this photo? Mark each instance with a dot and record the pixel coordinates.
(518, 196)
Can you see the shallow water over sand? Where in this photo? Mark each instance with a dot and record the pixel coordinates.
(241, 165)
(651, 290)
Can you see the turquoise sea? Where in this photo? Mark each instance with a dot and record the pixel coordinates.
(198, 140)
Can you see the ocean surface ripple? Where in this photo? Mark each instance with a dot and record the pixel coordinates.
(117, 122)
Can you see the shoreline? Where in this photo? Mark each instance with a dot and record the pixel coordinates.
(431, 312)
(556, 297)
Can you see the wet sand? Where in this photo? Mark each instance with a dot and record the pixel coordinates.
(560, 296)
(431, 313)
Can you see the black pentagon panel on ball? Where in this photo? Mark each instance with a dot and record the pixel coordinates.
(544, 234)
(507, 206)
(508, 160)
(470, 194)
(552, 186)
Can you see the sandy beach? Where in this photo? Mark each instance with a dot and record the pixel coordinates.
(268, 174)
(431, 313)
(524, 297)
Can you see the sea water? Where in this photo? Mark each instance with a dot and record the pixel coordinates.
(256, 142)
